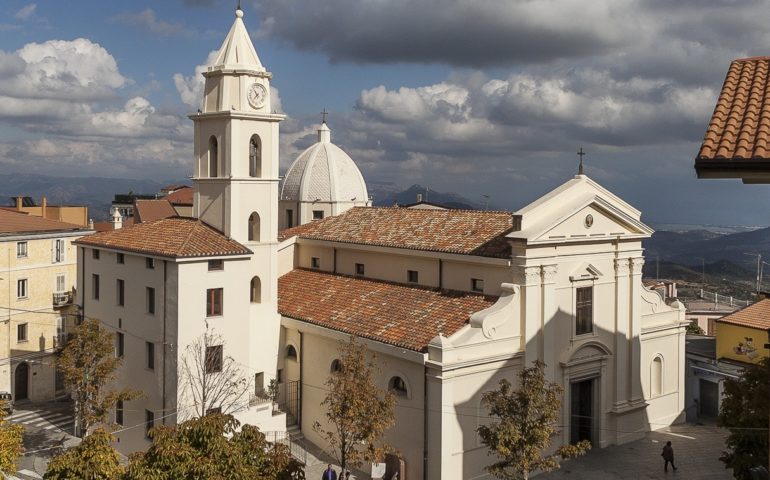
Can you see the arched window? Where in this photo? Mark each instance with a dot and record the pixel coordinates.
(213, 157)
(398, 386)
(291, 352)
(254, 227)
(336, 366)
(256, 290)
(656, 376)
(255, 156)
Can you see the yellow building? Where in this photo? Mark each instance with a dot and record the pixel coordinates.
(742, 335)
(37, 281)
(74, 214)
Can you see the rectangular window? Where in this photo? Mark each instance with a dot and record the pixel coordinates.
(214, 302)
(289, 218)
(61, 283)
(21, 332)
(119, 412)
(359, 268)
(411, 276)
(315, 262)
(149, 262)
(149, 422)
(584, 310)
(120, 258)
(214, 359)
(150, 300)
(215, 265)
(95, 254)
(21, 288)
(477, 284)
(58, 250)
(120, 343)
(318, 214)
(95, 285)
(121, 292)
(150, 355)
(21, 249)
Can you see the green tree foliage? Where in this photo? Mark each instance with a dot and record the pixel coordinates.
(88, 365)
(11, 442)
(357, 410)
(212, 447)
(744, 411)
(526, 425)
(93, 459)
(694, 329)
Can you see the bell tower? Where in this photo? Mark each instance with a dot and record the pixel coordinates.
(235, 177)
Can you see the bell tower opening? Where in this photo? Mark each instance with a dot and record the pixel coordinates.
(255, 157)
(213, 164)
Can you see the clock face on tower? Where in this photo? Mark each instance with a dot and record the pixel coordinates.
(257, 95)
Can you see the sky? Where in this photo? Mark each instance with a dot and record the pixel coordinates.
(479, 97)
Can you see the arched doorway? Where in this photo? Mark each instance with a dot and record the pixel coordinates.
(21, 381)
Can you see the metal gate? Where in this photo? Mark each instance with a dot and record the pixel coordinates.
(290, 405)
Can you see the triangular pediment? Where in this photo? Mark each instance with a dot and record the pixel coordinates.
(594, 220)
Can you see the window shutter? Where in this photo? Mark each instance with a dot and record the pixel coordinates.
(63, 246)
(53, 251)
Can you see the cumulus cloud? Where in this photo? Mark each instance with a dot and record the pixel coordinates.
(26, 12)
(147, 20)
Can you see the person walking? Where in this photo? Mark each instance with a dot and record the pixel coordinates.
(668, 457)
(329, 473)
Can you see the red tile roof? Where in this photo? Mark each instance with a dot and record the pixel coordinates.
(183, 196)
(176, 237)
(16, 223)
(739, 131)
(469, 232)
(401, 315)
(151, 210)
(756, 315)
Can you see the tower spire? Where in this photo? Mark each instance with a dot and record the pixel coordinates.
(581, 154)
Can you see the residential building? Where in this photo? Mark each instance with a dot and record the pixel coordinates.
(38, 275)
(74, 214)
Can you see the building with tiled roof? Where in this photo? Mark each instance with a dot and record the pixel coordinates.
(39, 274)
(741, 336)
(737, 140)
(151, 210)
(182, 201)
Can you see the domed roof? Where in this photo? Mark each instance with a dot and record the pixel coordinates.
(324, 173)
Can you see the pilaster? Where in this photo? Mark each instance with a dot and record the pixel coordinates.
(530, 279)
(548, 328)
(636, 328)
(622, 326)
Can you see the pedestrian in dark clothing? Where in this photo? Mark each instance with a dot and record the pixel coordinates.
(668, 457)
(329, 473)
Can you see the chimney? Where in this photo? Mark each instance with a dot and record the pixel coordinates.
(117, 220)
(19, 202)
(43, 209)
(90, 223)
(419, 197)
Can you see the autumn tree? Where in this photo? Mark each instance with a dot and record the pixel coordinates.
(357, 410)
(88, 364)
(93, 459)
(211, 380)
(524, 425)
(213, 446)
(11, 442)
(744, 411)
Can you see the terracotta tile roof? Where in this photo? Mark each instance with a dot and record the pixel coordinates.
(756, 315)
(175, 237)
(15, 223)
(401, 315)
(739, 131)
(183, 196)
(107, 226)
(151, 210)
(469, 232)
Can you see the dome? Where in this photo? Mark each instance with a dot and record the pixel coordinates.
(324, 173)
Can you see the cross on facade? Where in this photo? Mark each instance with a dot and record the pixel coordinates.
(581, 153)
(324, 113)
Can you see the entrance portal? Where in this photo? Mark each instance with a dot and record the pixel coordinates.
(21, 381)
(582, 411)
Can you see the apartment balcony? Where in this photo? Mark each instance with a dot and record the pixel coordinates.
(62, 299)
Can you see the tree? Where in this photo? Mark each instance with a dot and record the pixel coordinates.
(93, 459)
(525, 426)
(213, 447)
(357, 410)
(211, 380)
(744, 411)
(88, 364)
(11, 442)
(694, 329)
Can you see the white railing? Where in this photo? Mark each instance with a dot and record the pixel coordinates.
(724, 299)
(62, 298)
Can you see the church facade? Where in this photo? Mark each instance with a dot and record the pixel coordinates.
(451, 301)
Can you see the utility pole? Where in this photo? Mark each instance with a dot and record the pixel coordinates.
(759, 267)
(702, 272)
(657, 268)
(767, 346)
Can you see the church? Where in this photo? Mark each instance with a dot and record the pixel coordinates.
(451, 301)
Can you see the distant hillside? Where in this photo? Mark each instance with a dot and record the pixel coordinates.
(95, 192)
(388, 194)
